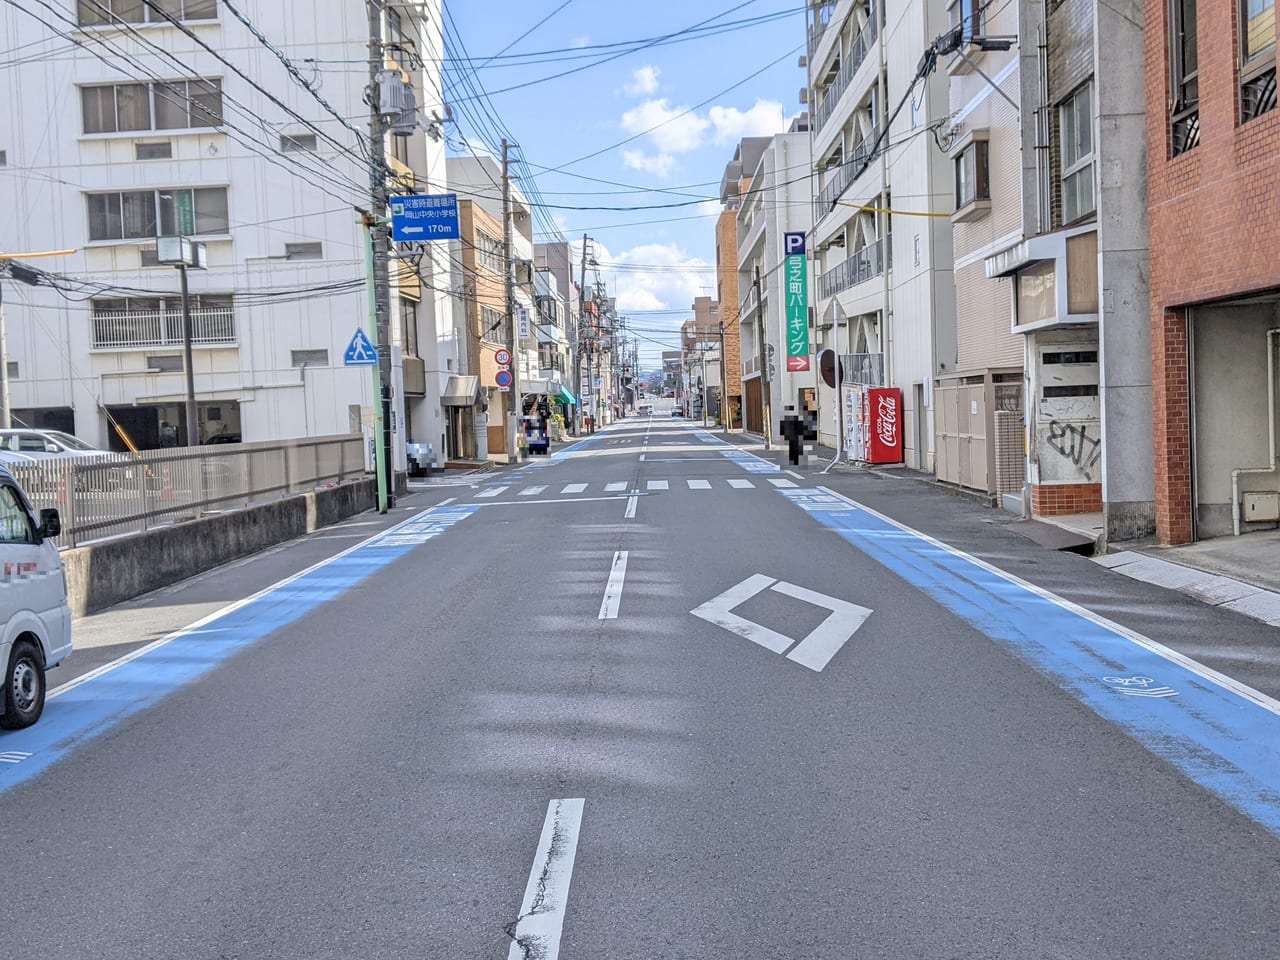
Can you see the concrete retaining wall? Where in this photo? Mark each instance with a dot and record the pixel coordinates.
(103, 574)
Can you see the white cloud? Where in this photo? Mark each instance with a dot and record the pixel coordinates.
(673, 129)
(580, 42)
(709, 208)
(658, 164)
(764, 119)
(644, 82)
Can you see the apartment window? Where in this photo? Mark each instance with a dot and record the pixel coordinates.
(11, 370)
(970, 16)
(4, 160)
(146, 214)
(153, 151)
(298, 142)
(972, 182)
(93, 13)
(1258, 58)
(493, 326)
(1075, 130)
(1184, 85)
(488, 252)
(309, 358)
(409, 326)
(165, 362)
(303, 251)
(167, 105)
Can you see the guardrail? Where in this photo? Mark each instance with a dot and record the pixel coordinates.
(122, 494)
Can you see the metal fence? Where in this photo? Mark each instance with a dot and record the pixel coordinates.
(126, 493)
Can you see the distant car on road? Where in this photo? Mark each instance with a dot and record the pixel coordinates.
(223, 438)
(43, 444)
(677, 412)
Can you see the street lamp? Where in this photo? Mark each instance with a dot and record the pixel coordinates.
(182, 253)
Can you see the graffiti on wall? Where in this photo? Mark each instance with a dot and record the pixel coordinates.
(1076, 449)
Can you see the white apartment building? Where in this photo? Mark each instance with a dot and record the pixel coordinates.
(777, 201)
(978, 403)
(881, 244)
(130, 127)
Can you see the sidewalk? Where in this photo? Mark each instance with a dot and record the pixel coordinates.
(1241, 574)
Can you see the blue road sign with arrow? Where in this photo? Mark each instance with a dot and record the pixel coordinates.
(360, 351)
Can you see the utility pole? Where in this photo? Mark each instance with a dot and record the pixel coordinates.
(193, 415)
(513, 409)
(764, 368)
(577, 353)
(380, 249)
(724, 386)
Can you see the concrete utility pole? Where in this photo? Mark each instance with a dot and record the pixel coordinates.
(577, 353)
(188, 365)
(764, 366)
(513, 409)
(724, 386)
(380, 243)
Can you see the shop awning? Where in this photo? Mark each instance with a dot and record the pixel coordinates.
(460, 391)
(568, 397)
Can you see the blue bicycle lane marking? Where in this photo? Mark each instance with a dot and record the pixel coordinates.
(1222, 735)
(87, 709)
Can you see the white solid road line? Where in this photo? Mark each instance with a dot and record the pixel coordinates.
(796, 475)
(739, 484)
(614, 487)
(613, 589)
(699, 484)
(574, 488)
(490, 492)
(631, 508)
(445, 503)
(536, 933)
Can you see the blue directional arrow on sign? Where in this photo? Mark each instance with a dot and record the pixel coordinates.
(360, 351)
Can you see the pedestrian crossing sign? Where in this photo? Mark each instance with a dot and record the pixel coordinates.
(360, 351)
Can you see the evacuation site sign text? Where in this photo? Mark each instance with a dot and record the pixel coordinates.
(797, 286)
(425, 217)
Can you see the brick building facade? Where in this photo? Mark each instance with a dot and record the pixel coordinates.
(1213, 170)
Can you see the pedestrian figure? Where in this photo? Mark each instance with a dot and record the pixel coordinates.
(796, 432)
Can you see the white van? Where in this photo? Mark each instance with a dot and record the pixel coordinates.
(36, 619)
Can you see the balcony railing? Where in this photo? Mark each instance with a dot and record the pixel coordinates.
(154, 328)
(845, 173)
(862, 266)
(822, 14)
(857, 54)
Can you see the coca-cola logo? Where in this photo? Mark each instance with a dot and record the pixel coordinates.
(887, 419)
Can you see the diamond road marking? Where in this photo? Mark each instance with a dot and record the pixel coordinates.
(815, 649)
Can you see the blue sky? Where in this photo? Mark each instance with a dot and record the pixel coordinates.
(739, 79)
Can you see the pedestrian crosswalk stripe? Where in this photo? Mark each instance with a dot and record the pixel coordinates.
(574, 488)
(699, 484)
(782, 482)
(614, 487)
(738, 483)
(531, 491)
(491, 492)
(657, 485)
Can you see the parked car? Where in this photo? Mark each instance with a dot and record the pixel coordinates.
(677, 412)
(223, 438)
(42, 444)
(35, 618)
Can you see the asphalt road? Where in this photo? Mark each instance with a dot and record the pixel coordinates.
(501, 729)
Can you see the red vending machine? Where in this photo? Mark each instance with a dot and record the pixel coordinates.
(883, 413)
